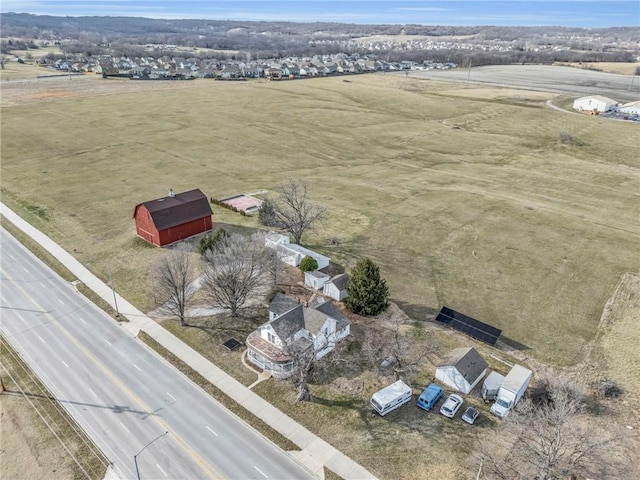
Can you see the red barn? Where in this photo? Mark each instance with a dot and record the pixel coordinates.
(174, 217)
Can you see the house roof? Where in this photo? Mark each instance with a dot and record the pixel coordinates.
(329, 309)
(317, 274)
(599, 98)
(340, 281)
(314, 320)
(282, 304)
(467, 361)
(181, 208)
(289, 323)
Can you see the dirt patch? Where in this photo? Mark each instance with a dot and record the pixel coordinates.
(620, 336)
(28, 449)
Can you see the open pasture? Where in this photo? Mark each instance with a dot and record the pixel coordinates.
(467, 201)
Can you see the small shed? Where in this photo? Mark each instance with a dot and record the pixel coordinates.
(315, 279)
(336, 287)
(462, 369)
(175, 217)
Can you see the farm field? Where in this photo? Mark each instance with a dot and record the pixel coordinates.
(467, 201)
(561, 80)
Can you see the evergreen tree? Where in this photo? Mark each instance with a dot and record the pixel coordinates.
(368, 293)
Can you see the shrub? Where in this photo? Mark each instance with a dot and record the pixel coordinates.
(308, 264)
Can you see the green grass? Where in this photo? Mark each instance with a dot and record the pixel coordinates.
(468, 202)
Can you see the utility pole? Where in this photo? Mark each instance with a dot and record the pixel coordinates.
(135, 457)
(115, 300)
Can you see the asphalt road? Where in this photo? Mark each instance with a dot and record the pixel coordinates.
(118, 390)
(548, 78)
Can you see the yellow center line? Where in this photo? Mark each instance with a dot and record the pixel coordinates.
(195, 456)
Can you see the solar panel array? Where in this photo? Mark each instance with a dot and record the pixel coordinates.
(472, 327)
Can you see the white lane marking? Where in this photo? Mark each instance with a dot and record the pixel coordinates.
(3, 299)
(61, 301)
(65, 364)
(25, 269)
(108, 342)
(94, 393)
(169, 395)
(165, 473)
(12, 257)
(263, 474)
(212, 431)
(82, 320)
(126, 429)
(42, 285)
(136, 366)
(41, 339)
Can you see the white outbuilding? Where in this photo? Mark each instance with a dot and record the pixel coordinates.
(594, 103)
(462, 369)
(632, 108)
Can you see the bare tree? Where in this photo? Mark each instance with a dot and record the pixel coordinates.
(171, 279)
(295, 212)
(304, 354)
(554, 439)
(238, 267)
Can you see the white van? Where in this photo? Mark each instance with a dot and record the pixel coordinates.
(391, 397)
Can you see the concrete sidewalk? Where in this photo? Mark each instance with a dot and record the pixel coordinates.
(315, 453)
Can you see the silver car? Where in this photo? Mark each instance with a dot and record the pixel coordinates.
(451, 405)
(470, 415)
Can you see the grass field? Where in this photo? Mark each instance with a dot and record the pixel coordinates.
(467, 201)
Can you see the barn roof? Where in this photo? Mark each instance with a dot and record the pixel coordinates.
(181, 208)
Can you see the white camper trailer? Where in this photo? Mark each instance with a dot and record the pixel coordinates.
(391, 397)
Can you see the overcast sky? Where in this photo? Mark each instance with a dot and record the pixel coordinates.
(572, 13)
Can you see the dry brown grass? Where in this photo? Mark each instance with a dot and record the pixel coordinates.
(470, 202)
(622, 68)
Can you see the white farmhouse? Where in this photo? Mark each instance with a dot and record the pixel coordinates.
(594, 103)
(299, 328)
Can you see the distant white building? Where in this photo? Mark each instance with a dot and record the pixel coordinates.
(632, 108)
(594, 103)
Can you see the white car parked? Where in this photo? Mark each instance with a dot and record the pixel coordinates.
(451, 405)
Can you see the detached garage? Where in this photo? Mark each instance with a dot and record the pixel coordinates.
(174, 217)
(462, 369)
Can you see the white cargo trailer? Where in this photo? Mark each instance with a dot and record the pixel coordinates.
(511, 390)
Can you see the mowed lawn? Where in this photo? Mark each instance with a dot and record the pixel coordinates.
(468, 201)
